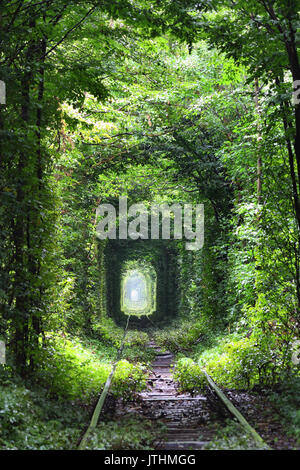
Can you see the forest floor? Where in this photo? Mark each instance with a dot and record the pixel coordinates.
(200, 421)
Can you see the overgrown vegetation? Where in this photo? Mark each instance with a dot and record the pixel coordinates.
(32, 420)
(161, 102)
(230, 437)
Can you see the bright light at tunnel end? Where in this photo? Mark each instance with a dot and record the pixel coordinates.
(138, 290)
(134, 295)
(187, 220)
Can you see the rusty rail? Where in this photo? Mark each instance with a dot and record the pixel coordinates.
(100, 403)
(235, 412)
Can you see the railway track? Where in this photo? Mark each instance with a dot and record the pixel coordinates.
(190, 421)
(185, 429)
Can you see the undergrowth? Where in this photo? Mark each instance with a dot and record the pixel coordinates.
(31, 420)
(232, 437)
(108, 333)
(236, 362)
(286, 400)
(131, 433)
(73, 369)
(184, 336)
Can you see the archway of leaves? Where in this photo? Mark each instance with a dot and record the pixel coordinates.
(155, 264)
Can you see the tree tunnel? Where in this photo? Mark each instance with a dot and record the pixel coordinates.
(141, 281)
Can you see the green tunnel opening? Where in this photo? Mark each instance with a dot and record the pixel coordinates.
(157, 260)
(138, 290)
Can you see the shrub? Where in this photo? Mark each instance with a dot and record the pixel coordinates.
(189, 375)
(73, 371)
(236, 362)
(183, 338)
(29, 420)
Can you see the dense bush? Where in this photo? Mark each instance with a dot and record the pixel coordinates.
(132, 432)
(108, 333)
(183, 335)
(237, 362)
(74, 371)
(30, 420)
(286, 400)
(190, 375)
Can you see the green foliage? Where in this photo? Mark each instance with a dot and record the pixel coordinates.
(238, 362)
(286, 401)
(110, 334)
(132, 433)
(30, 420)
(119, 99)
(189, 375)
(232, 437)
(72, 371)
(183, 336)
